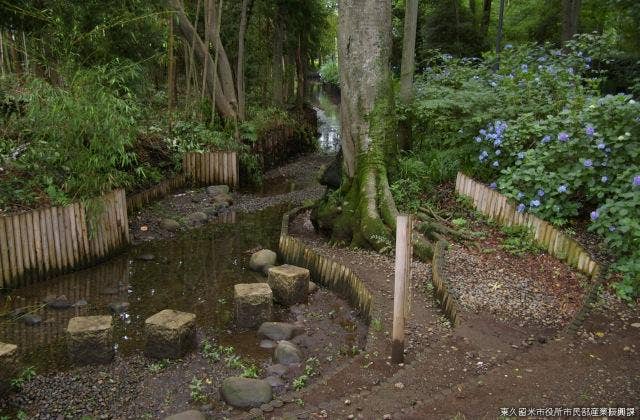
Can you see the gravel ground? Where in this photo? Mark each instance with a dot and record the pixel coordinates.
(293, 184)
(510, 292)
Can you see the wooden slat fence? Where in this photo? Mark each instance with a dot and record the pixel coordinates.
(212, 168)
(325, 271)
(49, 241)
(142, 198)
(497, 207)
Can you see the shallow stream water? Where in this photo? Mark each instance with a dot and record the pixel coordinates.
(194, 272)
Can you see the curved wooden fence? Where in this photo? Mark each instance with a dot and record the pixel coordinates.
(45, 242)
(212, 168)
(497, 207)
(324, 270)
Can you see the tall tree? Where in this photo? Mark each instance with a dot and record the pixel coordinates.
(277, 66)
(240, 77)
(224, 104)
(486, 17)
(570, 17)
(408, 65)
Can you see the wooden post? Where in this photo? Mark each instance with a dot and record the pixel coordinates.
(402, 281)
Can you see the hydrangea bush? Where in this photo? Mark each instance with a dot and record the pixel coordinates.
(534, 125)
(583, 161)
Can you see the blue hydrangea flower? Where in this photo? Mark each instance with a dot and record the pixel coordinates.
(562, 188)
(495, 164)
(612, 228)
(604, 179)
(524, 68)
(601, 146)
(588, 163)
(570, 70)
(493, 185)
(483, 155)
(546, 139)
(497, 142)
(563, 136)
(483, 132)
(636, 181)
(478, 139)
(521, 155)
(498, 152)
(594, 215)
(535, 203)
(590, 130)
(521, 208)
(541, 192)
(520, 195)
(508, 47)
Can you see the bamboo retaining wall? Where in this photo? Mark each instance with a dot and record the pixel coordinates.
(325, 271)
(212, 168)
(496, 206)
(49, 241)
(441, 285)
(139, 200)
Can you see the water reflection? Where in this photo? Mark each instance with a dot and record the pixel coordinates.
(194, 272)
(327, 107)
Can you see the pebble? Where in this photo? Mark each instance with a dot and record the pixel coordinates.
(146, 257)
(399, 385)
(636, 325)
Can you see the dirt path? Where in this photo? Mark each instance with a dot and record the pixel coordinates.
(475, 370)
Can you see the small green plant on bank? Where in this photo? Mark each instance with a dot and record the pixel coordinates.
(25, 376)
(250, 371)
(197, 390)
(519, 240)
(310, 370)
(159, 366)
(376, 324)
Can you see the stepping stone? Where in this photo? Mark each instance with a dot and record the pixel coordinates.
(287, 353)
(214, 190)
(187, 415)
(290, 284)
(90, 340)
(170, 334)
(262, 258)
(267, 344)
(80, 303)
(60, 302)
(170, 225)
(253, 304)
(274, 381)
(279, 331)
(223, 198)
(197, 217)
(245, 392)
(8, 363)
(277, 370)
(31, 319)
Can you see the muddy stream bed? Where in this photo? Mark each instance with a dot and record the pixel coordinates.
(192, 270)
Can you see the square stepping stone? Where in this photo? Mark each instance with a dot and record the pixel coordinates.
(8, 363)
(290, 284)
(170, 334)
(90, 340)
(253, 304)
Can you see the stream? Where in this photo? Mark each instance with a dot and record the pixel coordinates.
(195, 272)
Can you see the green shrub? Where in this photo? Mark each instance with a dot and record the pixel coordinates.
(330, 73)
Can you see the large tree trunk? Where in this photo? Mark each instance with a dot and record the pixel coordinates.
(362, 211)
(570, 17)
(407, 67)
(225, 73)
(240, 67)
(223, 104)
